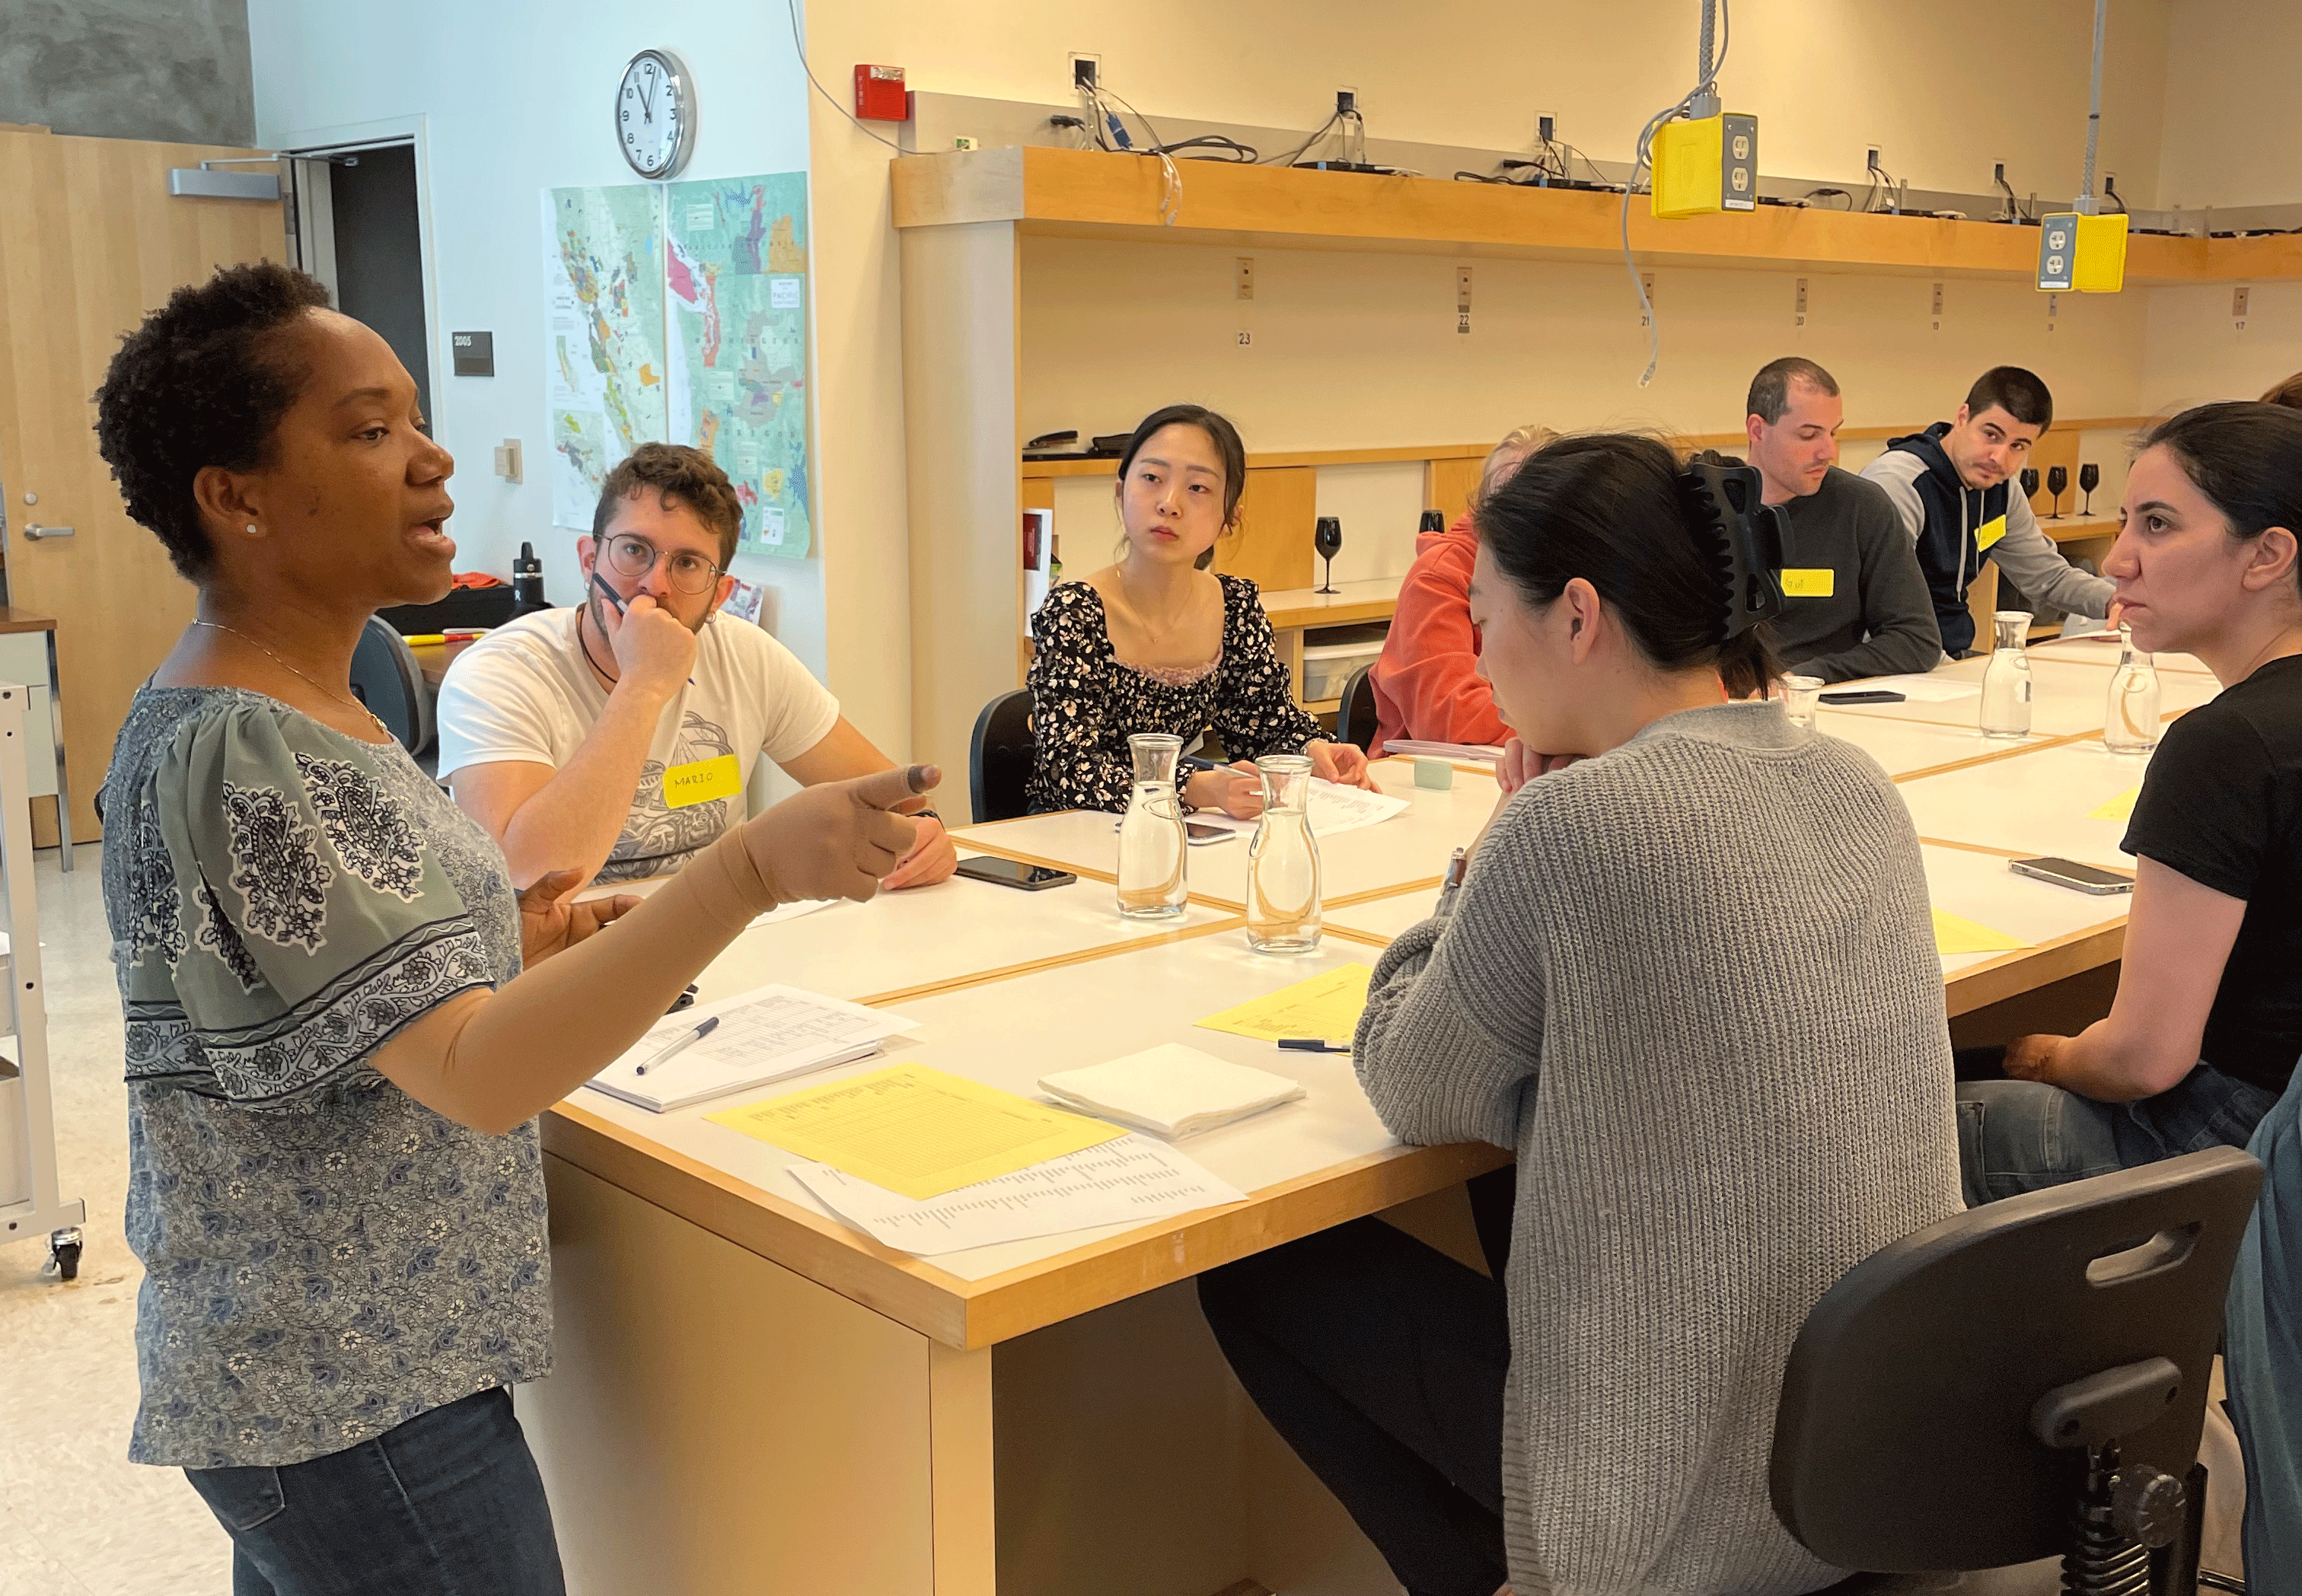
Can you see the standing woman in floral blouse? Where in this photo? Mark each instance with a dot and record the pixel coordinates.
(1155, 644)
(334, 1062)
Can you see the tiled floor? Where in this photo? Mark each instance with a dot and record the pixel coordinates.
(76, 1518)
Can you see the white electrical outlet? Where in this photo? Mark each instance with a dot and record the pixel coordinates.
(1799, 314)
(1546, 126)
(1243, 277)
(1094, 67)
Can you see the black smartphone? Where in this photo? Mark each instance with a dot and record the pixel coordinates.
(1010, 872)
(1863, 695)
(1198, 833)
(2077, 876)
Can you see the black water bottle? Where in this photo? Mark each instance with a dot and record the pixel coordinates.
(527, 581)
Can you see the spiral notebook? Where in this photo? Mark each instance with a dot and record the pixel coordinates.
(765, 1035)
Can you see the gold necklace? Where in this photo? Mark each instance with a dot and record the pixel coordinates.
(351, 703)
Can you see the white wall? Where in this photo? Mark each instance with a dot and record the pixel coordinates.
(1945, 88)
(2230, 137)
(512, 97)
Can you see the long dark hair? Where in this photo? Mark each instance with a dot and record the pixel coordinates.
(1220, 433)
(2246, 458)
(1608, 507)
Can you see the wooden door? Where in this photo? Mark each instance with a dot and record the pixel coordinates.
(90, 240)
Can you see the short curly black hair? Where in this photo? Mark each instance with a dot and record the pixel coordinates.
(200, 383)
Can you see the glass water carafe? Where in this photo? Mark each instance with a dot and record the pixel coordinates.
(1282, 861)
(2006, 679)
(2129, 723)
(1151, 843)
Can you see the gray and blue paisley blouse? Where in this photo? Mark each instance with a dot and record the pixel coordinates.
(325, 1258)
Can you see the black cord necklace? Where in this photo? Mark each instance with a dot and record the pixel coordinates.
(585, 644)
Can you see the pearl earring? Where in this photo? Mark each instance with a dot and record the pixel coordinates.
(251, 529)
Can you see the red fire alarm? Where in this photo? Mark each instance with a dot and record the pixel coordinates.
(880, 95)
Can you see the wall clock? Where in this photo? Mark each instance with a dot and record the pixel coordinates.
(655, 114)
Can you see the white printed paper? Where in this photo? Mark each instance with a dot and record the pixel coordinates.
(1132, 1181)
(1470, 753)
(1333, 807)
(768, 1034)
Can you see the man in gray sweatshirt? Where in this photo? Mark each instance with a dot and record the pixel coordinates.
(1856, 604)
(1952, 485)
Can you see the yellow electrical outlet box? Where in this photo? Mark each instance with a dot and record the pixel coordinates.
(1702, 166)
(2080, 254)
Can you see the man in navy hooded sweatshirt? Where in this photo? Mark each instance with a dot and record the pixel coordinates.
(1952, 485)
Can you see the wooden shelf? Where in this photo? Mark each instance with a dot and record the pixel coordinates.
(1071, 193)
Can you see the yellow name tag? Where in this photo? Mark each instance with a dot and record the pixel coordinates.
(1989, 532)
(1809, 584)
(701, 782)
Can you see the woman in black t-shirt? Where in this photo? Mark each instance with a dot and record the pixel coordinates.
(2203, 1036)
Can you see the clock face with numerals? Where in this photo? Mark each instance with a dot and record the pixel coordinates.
(655, 113)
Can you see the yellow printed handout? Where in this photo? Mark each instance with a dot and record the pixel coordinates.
(1326, 1006)
(2121, 808)
(917, 1131)
(1956, 934)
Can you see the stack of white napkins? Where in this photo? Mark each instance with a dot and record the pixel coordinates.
(1171, 1090)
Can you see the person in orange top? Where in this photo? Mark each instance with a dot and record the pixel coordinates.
(1427, 684)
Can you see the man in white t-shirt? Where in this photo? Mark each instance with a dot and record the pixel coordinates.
(615, 739)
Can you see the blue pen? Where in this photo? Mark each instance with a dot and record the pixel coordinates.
(696, 1033)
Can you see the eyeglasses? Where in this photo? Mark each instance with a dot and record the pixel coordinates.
(633, 556)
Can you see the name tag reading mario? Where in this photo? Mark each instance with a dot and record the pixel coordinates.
(700, 783)
(1809, 584)
(1989, 532)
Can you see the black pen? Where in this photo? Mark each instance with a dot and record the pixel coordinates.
(1311, 1045)
(610, 593)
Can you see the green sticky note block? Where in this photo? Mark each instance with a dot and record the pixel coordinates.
(1434, 773)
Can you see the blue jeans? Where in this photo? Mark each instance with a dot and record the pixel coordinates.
(2018, 1136)
(2263, 1353)
(448, 1503)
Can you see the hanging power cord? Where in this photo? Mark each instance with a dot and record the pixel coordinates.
(800, 45)
(1318, 133)
(1171, 180)
(2086, 204)
(1875, 172)
(1703, 96)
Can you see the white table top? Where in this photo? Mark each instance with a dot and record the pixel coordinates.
(2040, 803)
(2067, 696)
(1976, 886)
(1906, 746)
(1008, 1034)
(2089, 650)
(953, 929)
(1412, 845)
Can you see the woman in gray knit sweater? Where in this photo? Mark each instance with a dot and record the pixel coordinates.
(1689, 977)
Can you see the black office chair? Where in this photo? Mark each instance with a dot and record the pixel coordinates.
(1354, 714)
(999, 758)
(2025, 1381)
(386, 679)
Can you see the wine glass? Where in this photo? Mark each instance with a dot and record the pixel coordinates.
(2089, 479)
(2058, 480)
(2029, 481)
(1327, 538)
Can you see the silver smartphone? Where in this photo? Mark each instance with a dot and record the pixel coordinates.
(2077, 877)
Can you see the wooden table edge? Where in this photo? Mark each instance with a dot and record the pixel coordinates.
(971, 1313)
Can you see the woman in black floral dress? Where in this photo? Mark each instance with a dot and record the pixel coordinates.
(1154, 645)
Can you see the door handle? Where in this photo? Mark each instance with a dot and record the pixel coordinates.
(35, 533)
